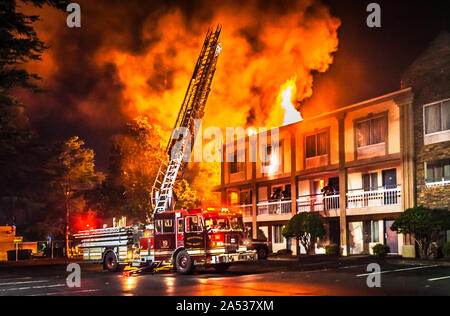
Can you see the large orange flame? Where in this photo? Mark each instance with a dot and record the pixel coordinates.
(287, 94)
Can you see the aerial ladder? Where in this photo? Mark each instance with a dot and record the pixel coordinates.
(182, 137)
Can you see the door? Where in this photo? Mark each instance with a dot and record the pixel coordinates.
(164, 240)
(390, 237)
(390, 183)
(194, 236)
(370, 183)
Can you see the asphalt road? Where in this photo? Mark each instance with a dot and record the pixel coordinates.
(256, 279)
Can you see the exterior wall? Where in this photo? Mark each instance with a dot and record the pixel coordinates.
(430, 78)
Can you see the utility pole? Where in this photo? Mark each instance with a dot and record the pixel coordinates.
(66, 193)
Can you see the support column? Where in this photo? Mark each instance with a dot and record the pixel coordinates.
(343, 187)
(407, 150)
(254, 202)
(293, 183)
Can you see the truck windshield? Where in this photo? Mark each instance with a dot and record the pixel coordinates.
(223, 223)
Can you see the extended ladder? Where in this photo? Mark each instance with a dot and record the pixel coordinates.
(192, 108)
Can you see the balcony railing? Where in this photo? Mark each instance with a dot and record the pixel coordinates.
(246, 210)
(438, 183)
(317, 203)
(274, 208)
(375, 197)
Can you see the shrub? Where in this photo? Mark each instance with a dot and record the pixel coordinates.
(424, 225)
(446, 249)
(284, 252)
(332, 249)
(380, 250)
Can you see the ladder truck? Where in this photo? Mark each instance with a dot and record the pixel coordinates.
(181, 239)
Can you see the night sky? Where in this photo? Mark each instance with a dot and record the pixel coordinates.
(369, 62)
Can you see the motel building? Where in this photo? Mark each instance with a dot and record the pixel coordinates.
(379, 157)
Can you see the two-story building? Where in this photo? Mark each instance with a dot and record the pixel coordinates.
(359, 166)
(356, 153)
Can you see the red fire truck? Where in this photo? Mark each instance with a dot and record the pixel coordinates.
(212, 237)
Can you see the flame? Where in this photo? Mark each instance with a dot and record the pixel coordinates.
(287, 93)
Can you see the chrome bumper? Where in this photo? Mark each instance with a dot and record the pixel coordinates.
(249, 255)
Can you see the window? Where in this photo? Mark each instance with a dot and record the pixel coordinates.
(268, 156)
(438, 171)
(371, 132)
(277, 236)
(180, 225)
(370, 181)
(245, 198)
(164, 226)
(375, 231)
(235, 165)
(437, 117)
(193, 224)
(317, 145)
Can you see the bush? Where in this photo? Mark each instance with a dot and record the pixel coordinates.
(332, 249)
(284, 252)
(380, 250)
(446, 249)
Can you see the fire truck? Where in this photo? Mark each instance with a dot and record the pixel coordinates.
(184, 239)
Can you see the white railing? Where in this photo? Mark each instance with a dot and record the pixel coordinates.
(246, 210)
(373, 198)
(438, 184)
(274, 208)
(317, 203)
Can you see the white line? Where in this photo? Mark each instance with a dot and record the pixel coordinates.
(68, 293)
(32, 287)
(438, 279)
(397, 270)
(23, 282)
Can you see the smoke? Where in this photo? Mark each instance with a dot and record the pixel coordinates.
(136, 57)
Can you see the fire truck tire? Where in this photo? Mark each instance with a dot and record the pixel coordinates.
(222, 267)
(110, 262)
(184, 263)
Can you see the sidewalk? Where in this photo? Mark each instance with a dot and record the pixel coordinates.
(356, 259)
(37, 262)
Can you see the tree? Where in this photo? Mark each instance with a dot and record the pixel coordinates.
(306, 228)
(186, 197)
(424, 225)
(74, 174)
(134, 162)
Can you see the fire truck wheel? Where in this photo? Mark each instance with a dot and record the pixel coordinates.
(220, 268)
(183, 263)
(111, 262)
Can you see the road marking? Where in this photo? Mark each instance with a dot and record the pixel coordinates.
(64, 293)
(32, 287)
(440, 278)
(23, 282)
(397, 270)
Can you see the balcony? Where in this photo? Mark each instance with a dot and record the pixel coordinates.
(319, 203)
(378, 200)
(246, 210)
(282, 207)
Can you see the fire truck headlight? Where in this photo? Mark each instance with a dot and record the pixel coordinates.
(130, 255)
(219, 244)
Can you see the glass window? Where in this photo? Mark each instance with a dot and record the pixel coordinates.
(375, 231)
(310, 146)
(245, 197)
(159, 226)
(317, 145)
(437, 117)
(180, 225)
(277, 236)
(438, 171)
(168, 226)
(371, 132)
(193, 224)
